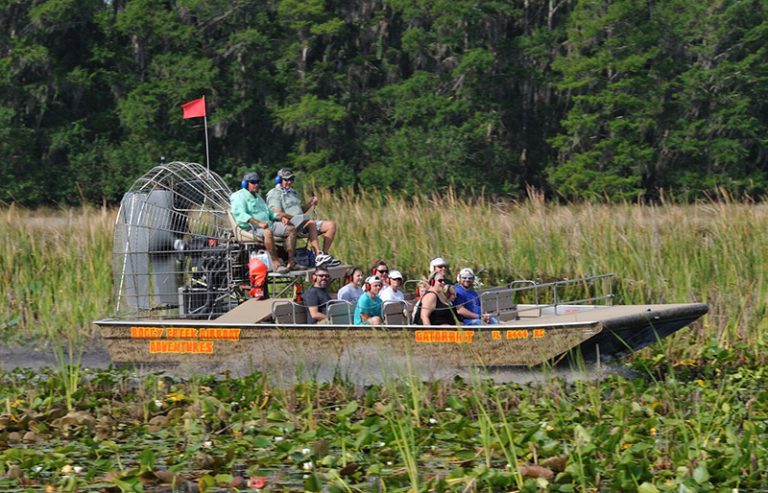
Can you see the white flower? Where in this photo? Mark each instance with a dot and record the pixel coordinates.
(158, 403)
(304, 476)
(37, 468)
(78, 469)
(389, 463)
(307, 466)
(279, 439)
(207, 444)
(448, 409)
(305, 451)
(380, 444)
(67, 469)
(432, 421)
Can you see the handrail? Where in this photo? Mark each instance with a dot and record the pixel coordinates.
(554, 285)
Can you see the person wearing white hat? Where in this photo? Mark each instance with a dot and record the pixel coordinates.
(392, 292)
(467, 302)
(438, 264)
(368, 309)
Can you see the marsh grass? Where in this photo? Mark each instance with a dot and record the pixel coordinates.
(55, 271)
(55, 265)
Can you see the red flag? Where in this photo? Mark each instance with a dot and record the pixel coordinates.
(194, 109)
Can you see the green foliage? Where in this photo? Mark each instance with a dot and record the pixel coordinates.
(590, 99)
(661, 100)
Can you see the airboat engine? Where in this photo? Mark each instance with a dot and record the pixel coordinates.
(173, 249)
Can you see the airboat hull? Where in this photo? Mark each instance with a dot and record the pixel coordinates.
(603, 331)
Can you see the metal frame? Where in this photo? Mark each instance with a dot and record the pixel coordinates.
(554, 287)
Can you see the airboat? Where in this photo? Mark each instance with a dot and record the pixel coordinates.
(183, 298)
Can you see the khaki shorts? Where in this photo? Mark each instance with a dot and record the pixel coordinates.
(304, 233)
(278, 229)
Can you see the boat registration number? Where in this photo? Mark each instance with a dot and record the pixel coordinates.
(468, 336)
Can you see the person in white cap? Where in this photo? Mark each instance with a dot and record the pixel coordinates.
(467, 302)
(438, 264)
(368, 309)
(392, 292)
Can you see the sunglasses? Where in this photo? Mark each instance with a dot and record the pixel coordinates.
(254, 182)
(322, 275)
(441, 281)
(291, 179)
(382, 271)
(467, 278)
(441, 267)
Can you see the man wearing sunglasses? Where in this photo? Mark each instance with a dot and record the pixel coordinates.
(252, 215)
(467, 302)
(316, 298)
(284, 199)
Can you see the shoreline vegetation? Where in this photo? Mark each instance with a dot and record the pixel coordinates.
(687, 414)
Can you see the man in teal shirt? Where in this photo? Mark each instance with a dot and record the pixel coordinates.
(252, 214)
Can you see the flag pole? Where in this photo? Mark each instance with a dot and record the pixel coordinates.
(205, 124)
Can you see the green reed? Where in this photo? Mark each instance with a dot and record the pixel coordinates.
(55, 265)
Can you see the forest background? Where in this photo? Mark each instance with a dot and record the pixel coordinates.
(581, 99)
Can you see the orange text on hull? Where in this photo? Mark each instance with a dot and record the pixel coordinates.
(453, 336)
(181, 347)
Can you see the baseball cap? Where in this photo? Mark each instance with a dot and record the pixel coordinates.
(395, 274)
(373, 280)
(439, 261)
(252, 176)
(466, 272)
(285, 174)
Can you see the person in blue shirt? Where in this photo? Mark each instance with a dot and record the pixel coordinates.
(368, 309)
(467, 302)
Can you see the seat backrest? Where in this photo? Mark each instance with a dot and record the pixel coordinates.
(341, 312)
(490, 300)
(394, 313)
(289, 313)
(241, 235)
(500, 304)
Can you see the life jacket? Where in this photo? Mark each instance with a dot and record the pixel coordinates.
(257, 274)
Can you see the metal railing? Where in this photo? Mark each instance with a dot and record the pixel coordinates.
(554, 288)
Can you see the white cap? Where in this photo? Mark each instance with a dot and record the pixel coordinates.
(373, 280)
(395, 274)
(466, 272)
(435, 262)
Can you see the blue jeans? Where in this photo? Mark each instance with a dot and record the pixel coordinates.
(479, 321)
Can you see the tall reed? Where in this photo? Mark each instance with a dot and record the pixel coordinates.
(55, 264)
